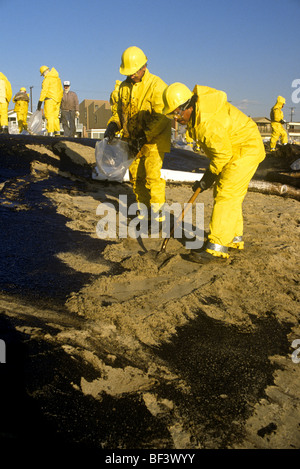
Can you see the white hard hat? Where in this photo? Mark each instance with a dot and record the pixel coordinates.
(67, 83)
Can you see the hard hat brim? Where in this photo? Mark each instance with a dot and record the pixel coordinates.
(129, 71)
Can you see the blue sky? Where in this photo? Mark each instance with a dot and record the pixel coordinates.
(249, 49)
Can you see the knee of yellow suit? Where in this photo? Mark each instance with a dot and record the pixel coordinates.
(137, 178)
(154, 182)
(51, 114)
(284, 137)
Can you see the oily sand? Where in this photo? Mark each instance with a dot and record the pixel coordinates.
(110, 346)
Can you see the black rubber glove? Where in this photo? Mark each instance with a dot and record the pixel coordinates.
(136, 144)
(111, 130)
(39, 105)
(206, 182)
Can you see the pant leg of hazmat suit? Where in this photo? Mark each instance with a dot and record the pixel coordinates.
(3, 115)
(21, 109)
(139, 107)
(148, 186)
(233, 143)
(51, 109)
(278, 132)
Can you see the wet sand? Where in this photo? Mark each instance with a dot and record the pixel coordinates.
(108, 348)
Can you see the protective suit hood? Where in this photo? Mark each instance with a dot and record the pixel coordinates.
(209, 101)
(280, 102)
(53, 73)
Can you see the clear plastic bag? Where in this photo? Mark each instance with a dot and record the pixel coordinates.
(35, 123)
(296, 165)
(113, 159)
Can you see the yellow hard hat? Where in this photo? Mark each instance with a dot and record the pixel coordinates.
(23, 89)
(43, 69)
(175, 95)
(132, 60)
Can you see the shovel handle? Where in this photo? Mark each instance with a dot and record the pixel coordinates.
(189, 204)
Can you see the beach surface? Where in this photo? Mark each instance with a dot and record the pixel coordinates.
(108, 346)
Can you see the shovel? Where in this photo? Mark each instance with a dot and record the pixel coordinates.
(189, 204)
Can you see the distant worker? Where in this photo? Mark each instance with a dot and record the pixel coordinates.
(234, 145)
(51, 94)
(148, 131)
(69, 110)
(21, 100)
(5, 97)
(277, 120)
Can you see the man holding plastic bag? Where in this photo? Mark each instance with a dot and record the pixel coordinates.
(139, 116)
(52, 93)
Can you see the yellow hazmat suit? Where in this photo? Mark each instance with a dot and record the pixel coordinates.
(114, 96)
(21, 100)
(189, 140)
(5, 97)
(139, 108)
(234, 145)
(52, 93)
(276, 117)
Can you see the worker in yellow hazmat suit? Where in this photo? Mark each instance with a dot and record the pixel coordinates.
(52, 93)
(21, 100)
(139, 116)
(5, 97)
(234, 145)
(277, 120)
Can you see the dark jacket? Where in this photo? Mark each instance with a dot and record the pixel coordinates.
(69, 102)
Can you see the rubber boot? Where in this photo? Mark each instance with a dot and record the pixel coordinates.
(205, 257)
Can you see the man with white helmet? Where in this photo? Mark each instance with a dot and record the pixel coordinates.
(138, 115)
(51, 95)
(69, 110)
